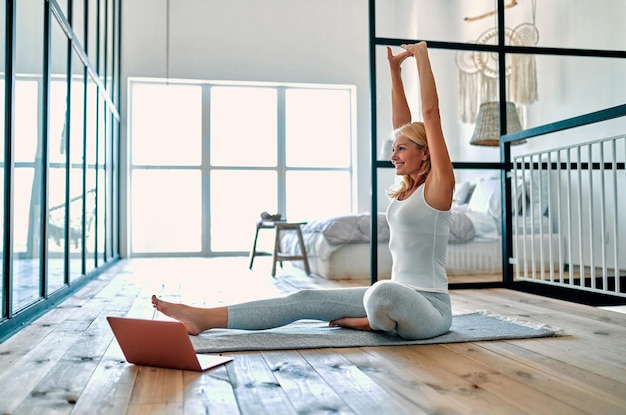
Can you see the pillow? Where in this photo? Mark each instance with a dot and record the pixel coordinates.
(461, 193)
(538, 196)
(486, 197)
(519, 195)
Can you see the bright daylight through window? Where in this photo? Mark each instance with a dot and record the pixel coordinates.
(196, 146)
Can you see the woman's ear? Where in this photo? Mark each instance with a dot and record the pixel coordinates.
(426, 155)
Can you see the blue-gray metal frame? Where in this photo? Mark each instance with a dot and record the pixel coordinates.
(501, 50)
(43, 164)
(9, 101)
(528, 134)
(11, 322)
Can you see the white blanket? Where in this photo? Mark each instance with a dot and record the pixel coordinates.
(348, 229)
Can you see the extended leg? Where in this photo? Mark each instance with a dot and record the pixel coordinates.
(316, 304)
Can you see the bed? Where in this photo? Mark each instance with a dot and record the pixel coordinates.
(339, 247)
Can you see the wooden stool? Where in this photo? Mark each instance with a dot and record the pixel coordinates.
(277, 255)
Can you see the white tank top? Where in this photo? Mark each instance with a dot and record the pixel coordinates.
(418, 241)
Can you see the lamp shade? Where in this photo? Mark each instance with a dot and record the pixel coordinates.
(487, 132)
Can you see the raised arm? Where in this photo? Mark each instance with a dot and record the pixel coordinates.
(400, 111)
(439, 185)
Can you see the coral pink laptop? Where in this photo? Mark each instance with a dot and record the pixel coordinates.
(161, 344)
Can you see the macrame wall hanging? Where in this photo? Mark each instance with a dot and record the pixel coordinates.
(478, 71)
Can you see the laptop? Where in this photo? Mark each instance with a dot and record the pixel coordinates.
(160, 343)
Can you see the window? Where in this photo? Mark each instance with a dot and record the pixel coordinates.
(208, 158)
(55, 152)
(166, 158)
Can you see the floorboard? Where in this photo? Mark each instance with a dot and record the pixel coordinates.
(67, 361)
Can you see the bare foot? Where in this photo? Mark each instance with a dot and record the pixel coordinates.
(195, 319)
(355, 323)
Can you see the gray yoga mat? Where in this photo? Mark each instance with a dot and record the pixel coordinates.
(309, 334)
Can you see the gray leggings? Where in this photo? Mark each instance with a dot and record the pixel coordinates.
(388, 305)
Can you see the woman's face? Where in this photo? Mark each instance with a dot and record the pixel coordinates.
(407, 156)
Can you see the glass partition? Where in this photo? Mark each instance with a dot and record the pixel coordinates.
(78, 20)
(461, 89)
(100, 62)
(587, 26)
(528, 23)
(81, 201)
(92, 31)
(2, 155)
(109, 49)
(569, 86)
(101, 196)
(61, 133)
(541, 89)
(474, 251)
(57, 158)
(28, 151)
(64, 6)
(91, 140)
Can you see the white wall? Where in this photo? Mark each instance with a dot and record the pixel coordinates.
(326, 41)
(300, 41)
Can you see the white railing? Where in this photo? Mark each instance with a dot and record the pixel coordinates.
(569, 230)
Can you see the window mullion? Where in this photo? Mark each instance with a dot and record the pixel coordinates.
(281, 162)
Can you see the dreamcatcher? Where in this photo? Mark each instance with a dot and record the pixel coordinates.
(478, 71)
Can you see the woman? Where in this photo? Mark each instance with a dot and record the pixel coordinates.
(415, 303)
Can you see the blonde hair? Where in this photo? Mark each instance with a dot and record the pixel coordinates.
(415, 132)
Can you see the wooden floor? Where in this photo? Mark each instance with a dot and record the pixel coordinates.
(68, 362)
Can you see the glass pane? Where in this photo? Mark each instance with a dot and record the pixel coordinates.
(107, 174)
(461, 89)
(77, 155)
(101, 180)
(318, 127)
(102, 40)
(57, 153)
(27, 145)
(26, 231)
(109, 48)
(2, 170)
(550, 24)
(91, 108)
(572, 86)
(475, 248)
(78, 21)
(101, 208)
(111, 189)
(422, 19)
(92, 30)
(63, 7)
(104, 183)
(232, 144)
(586, 26)
(166, 125)
(386, 178)
(166, 210)
(116, 54)
(331, 190)
(26, 139)
(229, 202)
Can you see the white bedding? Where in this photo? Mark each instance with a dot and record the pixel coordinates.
(353, 229)
(338, 248)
